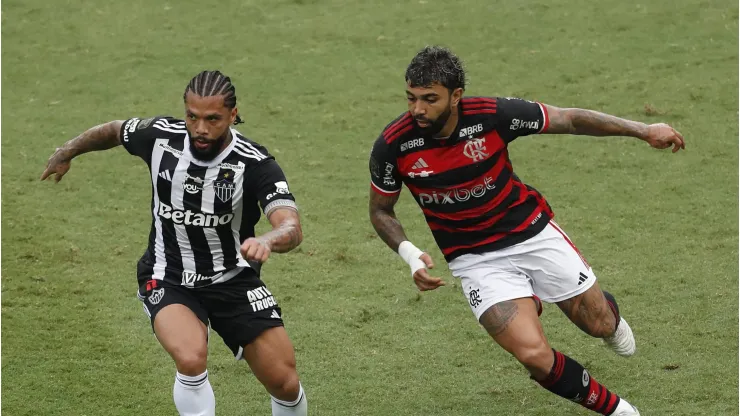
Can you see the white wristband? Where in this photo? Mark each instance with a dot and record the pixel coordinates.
(410, 254)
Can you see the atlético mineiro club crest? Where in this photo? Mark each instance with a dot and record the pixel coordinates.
(224, 187)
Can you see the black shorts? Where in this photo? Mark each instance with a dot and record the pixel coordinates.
(238, 310)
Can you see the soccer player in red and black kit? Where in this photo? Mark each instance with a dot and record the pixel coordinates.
(497, 233)
(202, 265)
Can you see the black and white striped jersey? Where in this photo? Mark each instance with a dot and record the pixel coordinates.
(201, 210)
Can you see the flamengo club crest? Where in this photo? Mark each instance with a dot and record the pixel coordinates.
(475, 149)
(224, 187)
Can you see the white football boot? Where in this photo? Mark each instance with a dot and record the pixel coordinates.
(625, 409)
(623, 341)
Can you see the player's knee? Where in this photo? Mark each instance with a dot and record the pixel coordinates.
(538, 360)
(285, 384)
(191, 362)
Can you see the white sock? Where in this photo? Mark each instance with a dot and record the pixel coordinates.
(194, 395)
(298, 407)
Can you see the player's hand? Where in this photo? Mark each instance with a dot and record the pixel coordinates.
(58, 164)
(422, 278)
(663, 136)
(256, 249)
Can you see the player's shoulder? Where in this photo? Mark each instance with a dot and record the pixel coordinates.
(166, 127)
(478, 114)
(397, 129)
(249, 150)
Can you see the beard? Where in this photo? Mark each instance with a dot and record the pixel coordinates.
(435, 126)
(210, 152)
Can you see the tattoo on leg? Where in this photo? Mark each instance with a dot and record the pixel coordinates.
(498, 317)
(588, 314)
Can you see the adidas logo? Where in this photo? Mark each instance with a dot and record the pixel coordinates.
(275, 314)
(582, 278)
(165, 174)
(420, 164)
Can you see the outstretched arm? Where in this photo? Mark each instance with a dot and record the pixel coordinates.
(594, 123)
(101, 137)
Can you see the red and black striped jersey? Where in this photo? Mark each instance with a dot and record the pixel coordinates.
(465, 184)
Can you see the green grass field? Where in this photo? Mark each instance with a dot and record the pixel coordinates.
(317, 81)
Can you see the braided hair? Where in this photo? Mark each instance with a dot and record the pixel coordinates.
(213, 83)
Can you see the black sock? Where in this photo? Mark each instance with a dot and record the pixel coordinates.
(570, 380)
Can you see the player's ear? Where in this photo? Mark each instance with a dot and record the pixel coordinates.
(457, 94)
(234, 114)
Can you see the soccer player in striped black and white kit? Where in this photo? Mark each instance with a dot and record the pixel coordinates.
(495, 232)
(202, 264)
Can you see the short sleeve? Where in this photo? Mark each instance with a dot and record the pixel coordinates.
(138, 135)
(519, 117)
(270, 186)
(384, 176)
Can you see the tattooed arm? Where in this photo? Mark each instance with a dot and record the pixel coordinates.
(384, 220)
(286, 234)
(593, 123)
(286, 231)
(101, 137)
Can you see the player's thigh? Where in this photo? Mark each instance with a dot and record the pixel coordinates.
(241, 309)
(556, 267)
(489, 278)
(179, 323)
(514, 325)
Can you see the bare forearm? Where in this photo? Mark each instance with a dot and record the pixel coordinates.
(388, 228)
(594, 123)
(101, 137)
(284, 238)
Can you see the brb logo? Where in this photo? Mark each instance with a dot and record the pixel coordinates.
(458, 194)
(188, 217)
(475, 149)
(469, 131)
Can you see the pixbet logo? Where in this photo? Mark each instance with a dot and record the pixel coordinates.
(457, 195)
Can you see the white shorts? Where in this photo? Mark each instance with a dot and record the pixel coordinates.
(547, 265)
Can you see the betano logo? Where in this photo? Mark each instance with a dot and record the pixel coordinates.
(188, 217)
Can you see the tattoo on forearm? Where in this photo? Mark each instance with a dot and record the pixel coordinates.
(384, 220)
(284, 238)
(593, 123)
(497, 318)
(101, 137)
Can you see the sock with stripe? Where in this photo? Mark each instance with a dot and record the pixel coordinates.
(298, 407)
(570, 380)
(194, 395)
